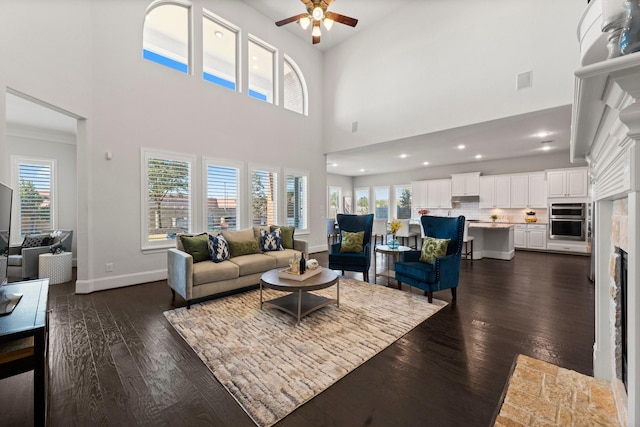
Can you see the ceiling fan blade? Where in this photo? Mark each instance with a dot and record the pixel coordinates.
(341, 19)
(325, 4)
(291, 19)
(308, 3)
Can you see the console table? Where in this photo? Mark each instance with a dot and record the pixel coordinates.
(23, 340)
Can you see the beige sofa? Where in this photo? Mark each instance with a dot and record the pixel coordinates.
(195, 281)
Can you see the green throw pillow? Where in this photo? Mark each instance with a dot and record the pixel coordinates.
(433, 248)
(286, 234)
(197, 246)
(244, 248)
(352, 242)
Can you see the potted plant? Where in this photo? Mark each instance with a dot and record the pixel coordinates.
(494, 217)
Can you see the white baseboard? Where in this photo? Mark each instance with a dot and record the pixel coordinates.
(318, 248)
(113, 282)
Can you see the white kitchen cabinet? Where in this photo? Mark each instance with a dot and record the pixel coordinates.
(572, 182)
(495, 191)
(528, 190)
(465, 184)
(530, 236)
(419, 194)
(438, 193)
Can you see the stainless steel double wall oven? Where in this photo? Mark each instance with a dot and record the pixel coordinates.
(568, 221)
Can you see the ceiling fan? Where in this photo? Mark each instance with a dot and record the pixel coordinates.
(316, 13)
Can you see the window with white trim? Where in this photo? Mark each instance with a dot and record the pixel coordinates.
(402, 199)
(335, 196)
(35, 200)
(223, 195)
(166, 36)
(219, 51)
(261, 63)
(381, 202)
(264, 195)
(295, 88)
(167, 199)
(297, 188)
(362, 200)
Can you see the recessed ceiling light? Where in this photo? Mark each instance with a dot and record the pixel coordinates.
(461, 147)
(254, 57)
(335, 165)
(542, 134)
(255, 67)
(403, 156)
(426, 163)
(362, 170)
(219, 34)
(546, 147)
(478, 156)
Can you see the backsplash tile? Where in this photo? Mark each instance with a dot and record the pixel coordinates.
(472, 211)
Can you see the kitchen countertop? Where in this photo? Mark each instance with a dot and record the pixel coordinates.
(500, 225)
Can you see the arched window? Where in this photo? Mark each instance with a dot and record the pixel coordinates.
(295, 88)
(166, 35)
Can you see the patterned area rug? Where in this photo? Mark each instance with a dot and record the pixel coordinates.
(542, 394)
(271, 366)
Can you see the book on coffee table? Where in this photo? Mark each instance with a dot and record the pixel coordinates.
(288, 274)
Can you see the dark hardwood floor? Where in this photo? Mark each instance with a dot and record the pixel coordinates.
(114, 359)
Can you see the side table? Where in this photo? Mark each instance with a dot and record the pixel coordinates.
(57, 268)
(392, 254)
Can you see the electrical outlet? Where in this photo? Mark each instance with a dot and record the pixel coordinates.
(108, 267)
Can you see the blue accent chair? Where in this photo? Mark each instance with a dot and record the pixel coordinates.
(347, 261)
(445, 272)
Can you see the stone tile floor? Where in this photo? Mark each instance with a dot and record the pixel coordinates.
(542, 394)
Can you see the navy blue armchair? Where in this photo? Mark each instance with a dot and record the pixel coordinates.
(444, 273)
(351, 261)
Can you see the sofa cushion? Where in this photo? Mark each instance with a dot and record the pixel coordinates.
(207, 272)
(15, 260)
(282, 257)
(433, 248)
(270, 240)
(36, 240)
(218, 248)
(239, 236)
(352, 242)
(286, 233)
(418, 271)
(197, 246)
(257, 229)
(253, 263)
(246, 247)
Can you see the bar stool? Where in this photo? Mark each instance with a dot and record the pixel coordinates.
(379, 229)
(405, 233)
(467, 249)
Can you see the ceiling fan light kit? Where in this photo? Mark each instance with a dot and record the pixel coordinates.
(316, 13)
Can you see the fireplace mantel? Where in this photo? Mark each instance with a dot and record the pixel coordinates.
(605, 132)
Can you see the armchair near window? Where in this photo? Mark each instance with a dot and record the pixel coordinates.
(23, 261)
(339, 259)
(444, 273)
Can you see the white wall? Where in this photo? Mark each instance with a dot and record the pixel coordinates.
(98, 73)
(437, 64)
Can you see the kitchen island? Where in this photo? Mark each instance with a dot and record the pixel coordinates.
(492, 240)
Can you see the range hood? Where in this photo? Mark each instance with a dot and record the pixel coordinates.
(465, 199)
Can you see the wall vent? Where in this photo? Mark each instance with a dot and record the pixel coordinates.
(524, 80)
(354, 127)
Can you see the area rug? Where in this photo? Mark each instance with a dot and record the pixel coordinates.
(271, 365)
(542, 394)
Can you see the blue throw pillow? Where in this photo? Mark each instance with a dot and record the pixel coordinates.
(218, 248)
(271, 241)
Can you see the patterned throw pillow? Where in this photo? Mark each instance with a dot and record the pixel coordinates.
(433, 248)
(218, 248)
(286, 232)
(271, 241)
(352, 242)
(196, 246)
(35, 240)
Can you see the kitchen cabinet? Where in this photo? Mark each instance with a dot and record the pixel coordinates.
(419, 194)
(528, 190)
(438, 193)
(465, 184)
(572, 182)
(530, 236)
(495, 191)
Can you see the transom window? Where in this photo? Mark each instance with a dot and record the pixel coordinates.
(166, 37)
(219, 51)
(261, 59)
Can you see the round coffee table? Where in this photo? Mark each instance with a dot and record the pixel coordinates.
(299, 301)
